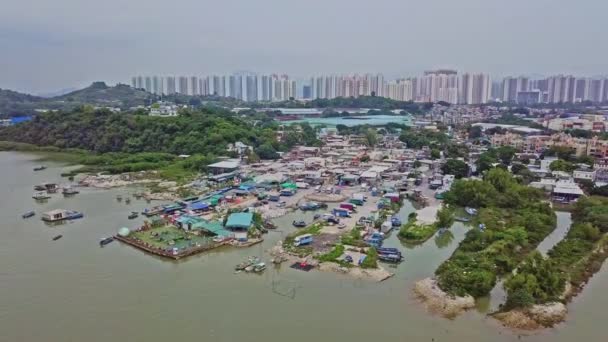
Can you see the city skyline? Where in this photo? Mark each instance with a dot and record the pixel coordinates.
(432, 86)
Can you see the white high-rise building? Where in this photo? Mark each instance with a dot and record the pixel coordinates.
(194, 90)
(474, 88)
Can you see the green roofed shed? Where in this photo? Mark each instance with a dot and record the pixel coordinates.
(240, 221)
(289, 185)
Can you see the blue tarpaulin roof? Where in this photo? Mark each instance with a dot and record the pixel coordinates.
(199, 206)
(19, 119)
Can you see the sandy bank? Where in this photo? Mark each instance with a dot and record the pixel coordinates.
(375, 274)
(440, 302)
(379, 274)
(535, 317)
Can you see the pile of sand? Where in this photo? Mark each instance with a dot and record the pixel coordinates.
(441, 302)
(321, 197)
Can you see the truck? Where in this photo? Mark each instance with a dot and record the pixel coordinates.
(341, 212)
(303, 240)
(348, 206)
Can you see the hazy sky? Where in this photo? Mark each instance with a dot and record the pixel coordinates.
(47, 45)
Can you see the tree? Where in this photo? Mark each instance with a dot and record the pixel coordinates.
(505, 154)
(486, 161)
(435, 154)
(417, 164)
(371, 137)
(455, 167)
(445, 217)
(500, 179)
(562, 165)
(266, 151)
(475, 132)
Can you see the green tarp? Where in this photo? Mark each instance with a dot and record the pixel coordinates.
(289, 186)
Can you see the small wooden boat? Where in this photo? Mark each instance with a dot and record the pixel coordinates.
(133, 215)
(269, 225)
(127, 200)
(28, 214)
(40, 168)
(40, 187)
(57, 237)
(41, 196)
(106, 241)
(68, 191)
(118, 198)
(462, 219)
(259, 268)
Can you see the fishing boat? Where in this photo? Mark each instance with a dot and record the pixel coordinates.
(462, 219)
(28, 214)
(57, 237)
(41, 196)
(245, 264)
(68, 191)
(390, 257)
(127, 200)
(106, 241)
(40, 168)
(299, 223)
(40, 187)
(118, 198)
(133, 215)
(61, 215)
(259, 268)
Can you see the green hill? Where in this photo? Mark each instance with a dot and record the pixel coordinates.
(97, 94)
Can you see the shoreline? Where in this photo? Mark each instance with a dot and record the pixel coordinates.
(439, 302)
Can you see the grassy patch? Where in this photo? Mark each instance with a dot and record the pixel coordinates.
(416, 232)
(333, 255)
(371, 261)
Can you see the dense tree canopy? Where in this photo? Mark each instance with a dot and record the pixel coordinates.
(455, 167)
(207, 131)
(515, 222)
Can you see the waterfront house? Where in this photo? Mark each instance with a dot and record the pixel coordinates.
(240, 223)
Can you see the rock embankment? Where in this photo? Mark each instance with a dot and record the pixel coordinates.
(535, 317)
(440, 302)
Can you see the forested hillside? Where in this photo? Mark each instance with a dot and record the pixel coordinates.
(205, 131)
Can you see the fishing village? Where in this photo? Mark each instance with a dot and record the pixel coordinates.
(345, 200)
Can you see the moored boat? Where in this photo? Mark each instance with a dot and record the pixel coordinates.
(28, 214)
(57, 237)
(40, 168)
(106, 241)
(133, 215)
(68, 190)
(41, 196)
(390, 257)
(259, 268)
(61, 215)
